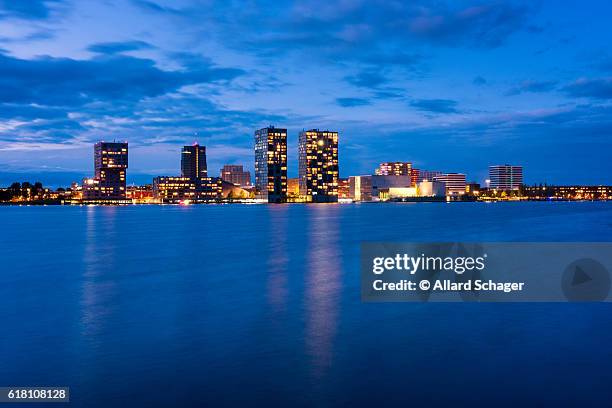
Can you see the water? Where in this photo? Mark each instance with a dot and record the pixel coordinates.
(260, 305)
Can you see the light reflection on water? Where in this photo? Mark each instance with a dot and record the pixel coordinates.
(278, 257)
(248, 303)
(323, 286)
(98, 257)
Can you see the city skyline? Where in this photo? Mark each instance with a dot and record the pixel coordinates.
(533, 85)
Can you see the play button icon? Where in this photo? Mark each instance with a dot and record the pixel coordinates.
(585, 280)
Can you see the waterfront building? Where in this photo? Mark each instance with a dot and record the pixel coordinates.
(110, 166)
(193, 161)
(360, 188)
(174, 189)
(394, 169)
(140, 194)
(271, 164)
(472, 188)
(505, 177)
(394, 193)
(343, 189)
(414, 176)
(428, 188)
(384, 183)
(318, 166)
(235, 192)
(428, 175)
(293, 188)
(169, 189)
(454, 182)
(235, 174)
(568, 192)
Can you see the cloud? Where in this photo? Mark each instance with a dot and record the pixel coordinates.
(479, 81)
(599, 88)
(374, 32)
(156, 7)
(352, 102)
(533, 86)
(435, 105)
(27, 9)
(118, 47)
(117, 78)
(482, 26)
(367, 79)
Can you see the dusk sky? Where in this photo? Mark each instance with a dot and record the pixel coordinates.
(452, 86)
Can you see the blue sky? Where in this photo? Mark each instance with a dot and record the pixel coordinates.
(452, 86)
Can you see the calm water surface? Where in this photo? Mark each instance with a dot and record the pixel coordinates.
(260, 305)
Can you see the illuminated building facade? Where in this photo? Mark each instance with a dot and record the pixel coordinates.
(505, 177)
(360, 188)
(568, 192)
(318, 166)
(343, 188)
(193, 161)
(168, 189)
(414, 176)
(428, 188)
(176, 189)
(384, 183)
(293, 188)
(235, 174)
(454, 182)
(110, 166)
(394, 169)
(271, 164)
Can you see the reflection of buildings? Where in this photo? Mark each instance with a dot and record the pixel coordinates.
(323, 286)
(455, 182)
(505, 177)
(235, 174)
(271, 164)
(318, 166)
(277, 265)
(110, 165)
(193, 184)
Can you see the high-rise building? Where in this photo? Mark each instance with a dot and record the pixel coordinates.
(394, 169)
(454, 182)
(110, 166)
(318, 166)
(428, 175)
(271, 164)
(505, 177)
(235, 174)
(193, 161)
